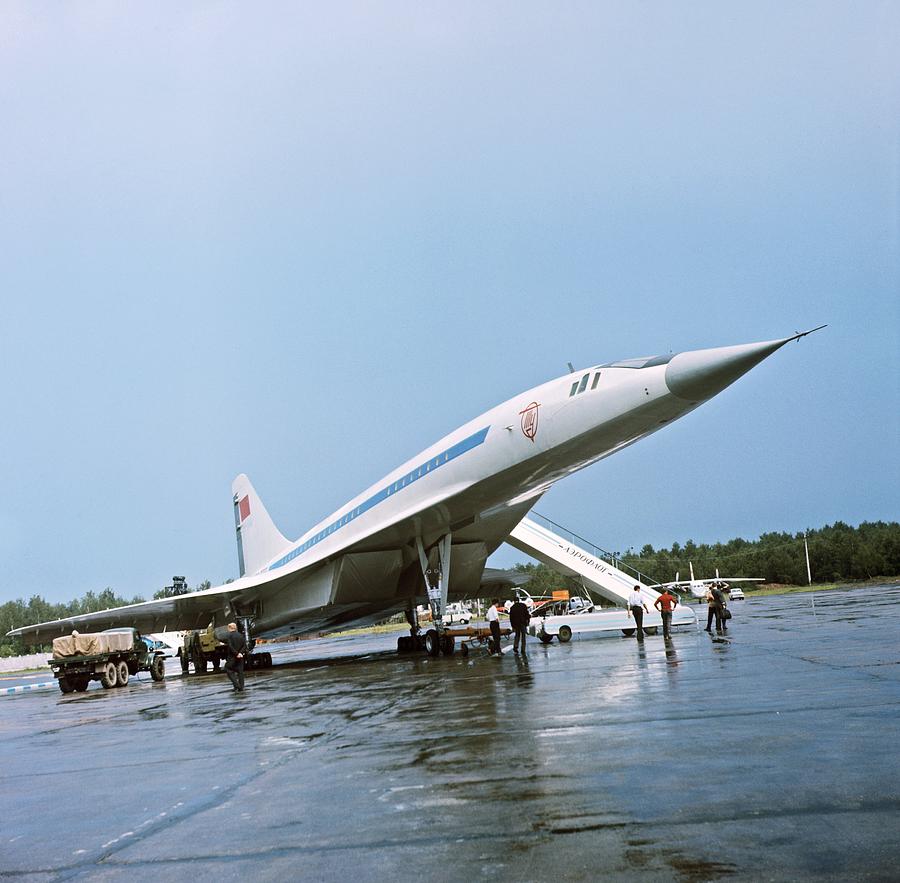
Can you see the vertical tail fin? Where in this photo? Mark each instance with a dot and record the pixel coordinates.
(258, 540)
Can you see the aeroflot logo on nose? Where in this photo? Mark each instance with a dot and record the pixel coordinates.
(530, 420)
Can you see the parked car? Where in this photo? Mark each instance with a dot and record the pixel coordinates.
(457, 613)
(561, 619)
(736, 594)
(167, 643)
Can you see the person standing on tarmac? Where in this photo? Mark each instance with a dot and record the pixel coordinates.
(235, 650)
(716, 604)
(519, 617)
(665, 604)
(493, 618)
(636, 608)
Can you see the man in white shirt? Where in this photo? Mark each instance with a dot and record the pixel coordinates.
(493, 618)
(636, 608)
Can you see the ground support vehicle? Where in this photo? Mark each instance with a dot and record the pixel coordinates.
(203, 649)
(434, 643)
(109, 657)
(478, 638)
(558, 620)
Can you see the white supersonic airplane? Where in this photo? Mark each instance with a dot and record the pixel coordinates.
(454, 503)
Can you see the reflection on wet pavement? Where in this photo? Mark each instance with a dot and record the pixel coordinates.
(768, 753)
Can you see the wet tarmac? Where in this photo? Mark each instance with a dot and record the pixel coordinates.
(769, 755)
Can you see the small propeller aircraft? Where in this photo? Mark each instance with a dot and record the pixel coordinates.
(699, 587)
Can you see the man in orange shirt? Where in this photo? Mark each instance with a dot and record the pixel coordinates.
(665, 604)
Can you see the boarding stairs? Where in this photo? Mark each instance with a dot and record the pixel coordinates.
(600, 572)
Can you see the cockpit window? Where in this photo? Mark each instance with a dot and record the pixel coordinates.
(647, 362)
(660, 360)
(583, 385)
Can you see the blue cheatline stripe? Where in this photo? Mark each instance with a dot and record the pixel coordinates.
(26, 688)
(426, 468)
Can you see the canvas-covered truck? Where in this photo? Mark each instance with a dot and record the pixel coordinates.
(202, 648)
(110, 657)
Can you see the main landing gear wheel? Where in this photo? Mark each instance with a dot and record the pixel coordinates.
(432, 642)
(158, 668)
(109, 677)
(565, 634)
(121, 674)
(448, 645)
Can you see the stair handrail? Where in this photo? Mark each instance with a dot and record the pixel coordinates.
(609, 557)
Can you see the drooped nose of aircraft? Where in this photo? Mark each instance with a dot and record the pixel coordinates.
(698, 375)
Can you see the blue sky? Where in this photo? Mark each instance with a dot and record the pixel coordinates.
(304, 241)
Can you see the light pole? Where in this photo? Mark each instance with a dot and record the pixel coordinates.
(806, 549)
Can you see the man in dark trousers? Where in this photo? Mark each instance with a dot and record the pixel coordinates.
(235, 650)
(715, 600)
(637, 607)
(493, 618)
(665, 604)
(519, 617)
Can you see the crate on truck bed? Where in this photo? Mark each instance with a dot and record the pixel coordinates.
(110, 657)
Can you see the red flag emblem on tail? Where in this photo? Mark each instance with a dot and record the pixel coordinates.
(244, 508)
(530, 420)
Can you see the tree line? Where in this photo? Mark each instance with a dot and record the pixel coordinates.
(837, 553)
(15, 614)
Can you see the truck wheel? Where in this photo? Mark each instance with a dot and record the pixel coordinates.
(565, 634)
(185, 662)
(121, 674)
(158, 668)
(65, 685)
(81, 683)
(448, 645)
(108, 676)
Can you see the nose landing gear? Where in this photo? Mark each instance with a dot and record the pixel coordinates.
(437, 578)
